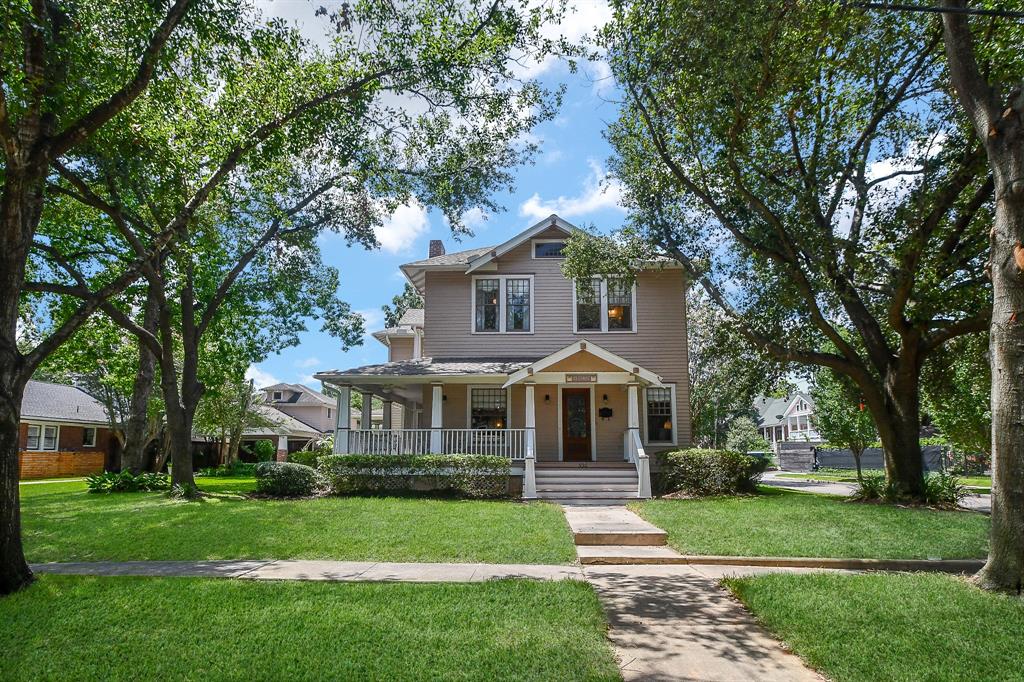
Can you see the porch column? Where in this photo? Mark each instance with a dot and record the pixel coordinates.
(387, 414)
(366, 419)
(343, 412)
(632, 418)
(282, 449)
(436, 398)
(529, 474)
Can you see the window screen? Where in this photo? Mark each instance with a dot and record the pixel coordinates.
(487, 305)
(517, 305)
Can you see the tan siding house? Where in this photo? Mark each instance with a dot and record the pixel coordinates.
(507, 358)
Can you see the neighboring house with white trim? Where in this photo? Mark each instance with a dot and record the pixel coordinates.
(788, 419)
(509, 357)
(64, 432)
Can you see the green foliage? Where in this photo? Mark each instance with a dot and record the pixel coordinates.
(743, 436)
(127, 482)
(838, 414)
(703, 473)
(264, 450)
(957, 384)
(477, 476)
(409, 298)
(287, 479)
(316, 450)
(941, 490)
(236, 469)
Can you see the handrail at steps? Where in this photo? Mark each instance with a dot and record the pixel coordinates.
(637, 455)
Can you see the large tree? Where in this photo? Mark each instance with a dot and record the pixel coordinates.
(988, 76)
(246, 93)
(807, 167)
(400, 303)
(957, 394)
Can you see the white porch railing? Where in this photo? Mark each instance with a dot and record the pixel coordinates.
(509, 443)
(634, 449)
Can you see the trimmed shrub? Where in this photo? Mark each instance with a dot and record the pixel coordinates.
(477, 476)
(940, 490)
(287, 479)
(317, 449)
(264, 450)
(700, 473)
(127, 482)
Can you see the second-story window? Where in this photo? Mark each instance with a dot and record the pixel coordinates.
(588, 306)
(487, 304)
(517, 305)
(503, 303)
(604, 305)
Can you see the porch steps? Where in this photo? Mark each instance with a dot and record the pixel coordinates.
(587, 484)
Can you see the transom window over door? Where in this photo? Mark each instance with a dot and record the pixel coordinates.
(488, 408)
(503, 304)
(604, 305)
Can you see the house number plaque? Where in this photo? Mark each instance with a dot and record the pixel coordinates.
(581, 378)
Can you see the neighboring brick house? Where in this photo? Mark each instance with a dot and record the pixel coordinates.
(577, 386)
(64, 432)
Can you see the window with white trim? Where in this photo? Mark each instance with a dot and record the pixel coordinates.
(41, 438)
(604, 305)
(89, 437)
(277, 395)
(503, 304)
(548, 248)
(488, 408)
(660, 415)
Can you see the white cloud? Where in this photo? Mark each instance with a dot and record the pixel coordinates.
(403, 228)
(311, 361)
(598, 193)
(474, 218)
(259, 377)
(374, 321)
(601, 73)
(584, 18)
(552, 156)
(308, 380)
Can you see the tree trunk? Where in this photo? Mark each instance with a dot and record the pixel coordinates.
(137, 435)
(856, 459)
(1004, 569)
(899, 429)
(14, 571)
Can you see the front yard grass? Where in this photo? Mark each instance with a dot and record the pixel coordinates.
(982, 483)
(88, 628)
(890, 626)
(63, 522)
(784, 523)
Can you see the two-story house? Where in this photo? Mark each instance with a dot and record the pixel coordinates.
(787, 419)
(577, 385)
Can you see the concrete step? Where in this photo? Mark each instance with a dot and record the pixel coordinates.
(588, 502)
(593, 555)
(625, 488)
(586, 494)
(573, 476)
(612, 538)
(566, 480)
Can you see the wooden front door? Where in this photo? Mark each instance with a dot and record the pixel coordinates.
(576, 424)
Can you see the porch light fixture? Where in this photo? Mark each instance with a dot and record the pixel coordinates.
(604, 398)
(498, 424)
(547, 398)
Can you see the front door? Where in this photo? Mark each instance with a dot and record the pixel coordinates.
(576, 424)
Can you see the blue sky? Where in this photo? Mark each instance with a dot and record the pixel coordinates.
(566, 178)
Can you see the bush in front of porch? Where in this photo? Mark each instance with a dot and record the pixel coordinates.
(474, 476)
(700, 472)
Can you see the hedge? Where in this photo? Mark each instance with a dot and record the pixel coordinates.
(699, 473)
(479, 476)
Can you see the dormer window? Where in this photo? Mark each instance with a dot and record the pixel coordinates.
(548, 248)
(277, 395)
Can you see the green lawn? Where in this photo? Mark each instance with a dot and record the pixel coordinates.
(62, 522)
(75, 628)
(984, 482)
(891, 626)
(786, 523)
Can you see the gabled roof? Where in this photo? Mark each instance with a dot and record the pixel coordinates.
(46, 401)
(413, 317)
(551, 222)
(584, 347)
(773, 411)
(281, 424)
(301, 395)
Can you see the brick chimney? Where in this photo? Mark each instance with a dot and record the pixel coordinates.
(436, 248)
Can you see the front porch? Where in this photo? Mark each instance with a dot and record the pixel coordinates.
(580, 406)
